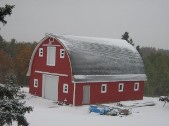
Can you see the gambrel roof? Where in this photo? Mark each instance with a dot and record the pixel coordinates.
(101, 59)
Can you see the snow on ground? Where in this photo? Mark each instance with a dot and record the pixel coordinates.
(47, 113)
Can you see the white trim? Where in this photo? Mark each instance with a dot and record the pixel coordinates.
(47, 35)
(65, 88)
(74, 93)
(51, 56)
(121, 84)
(108, 78)
(51, 39)
(51, 45)
(40, 52)
(136, 89)
(35, 83)
(33, 55)
(43, 88)
(104, 85)
(62, 53)
(56, 74)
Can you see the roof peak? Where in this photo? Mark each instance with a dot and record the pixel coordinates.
(79, 36)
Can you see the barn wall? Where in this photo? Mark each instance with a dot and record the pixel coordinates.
(62, 67)
(32, 89)
(112, 94)
(68, 96)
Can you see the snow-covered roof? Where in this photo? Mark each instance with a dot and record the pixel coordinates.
(109, 78)
(102, 59)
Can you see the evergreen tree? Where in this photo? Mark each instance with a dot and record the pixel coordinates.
(4, 11)
(131, 42)
(138, 49)
(126, 37)
(11, 106)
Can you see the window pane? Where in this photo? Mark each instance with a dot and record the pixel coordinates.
(103, 88)
(62, 53)
(121, 86)
(65, 88)
(35, 82)
(136, 86)
(40, 52)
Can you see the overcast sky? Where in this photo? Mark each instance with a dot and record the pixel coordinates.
(147, 21)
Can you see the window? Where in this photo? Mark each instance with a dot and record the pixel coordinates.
(121, 87)
(40, 52)
(51, 56)
(62, 53)
(103, 88)
(35, 83)
(51, 40)
(65, 88)
(136, 86)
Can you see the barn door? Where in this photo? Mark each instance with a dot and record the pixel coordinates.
(50, 87)
(86, 94)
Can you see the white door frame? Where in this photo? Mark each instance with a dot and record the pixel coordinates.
(43, 86)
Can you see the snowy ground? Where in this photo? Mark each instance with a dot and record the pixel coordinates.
(47, 113)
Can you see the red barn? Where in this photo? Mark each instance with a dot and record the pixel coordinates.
(86, 70)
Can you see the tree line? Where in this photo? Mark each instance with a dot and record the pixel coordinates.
(156, 62)
(14, 60)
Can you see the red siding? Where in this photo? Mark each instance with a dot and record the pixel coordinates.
(62, 67)
(32, 90)
(68, 96)
(112, 94)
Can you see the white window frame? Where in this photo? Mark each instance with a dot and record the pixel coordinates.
(105, 87)
(40, 52)
(65, 88)
(136, 89)
(35, 83)
(121, 89)
(50, 62)
(62, 53)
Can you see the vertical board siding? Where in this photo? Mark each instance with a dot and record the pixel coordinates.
(112, 94)
(62, 67)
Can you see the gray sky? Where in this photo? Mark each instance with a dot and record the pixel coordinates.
(147, 21)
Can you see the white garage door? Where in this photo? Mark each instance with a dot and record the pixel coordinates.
(50, 87)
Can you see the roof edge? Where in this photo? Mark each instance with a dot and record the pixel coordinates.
(33, 54)
(109, 78)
